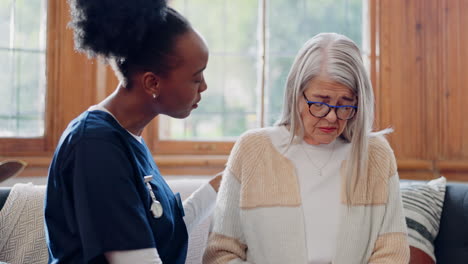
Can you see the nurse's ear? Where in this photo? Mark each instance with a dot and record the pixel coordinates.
(151, 84)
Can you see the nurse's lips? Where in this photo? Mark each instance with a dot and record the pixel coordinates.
(327, 129)
(196, 104)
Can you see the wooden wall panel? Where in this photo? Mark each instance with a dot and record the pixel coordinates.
(403, 90)
(422, 84)
(454, 93)
(453, 139)
(76, 80)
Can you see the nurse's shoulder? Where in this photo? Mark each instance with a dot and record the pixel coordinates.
(92, 125)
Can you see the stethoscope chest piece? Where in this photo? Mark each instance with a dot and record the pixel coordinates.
(156, 207)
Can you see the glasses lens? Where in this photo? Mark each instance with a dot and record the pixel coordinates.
(318, 109)
(345, 113)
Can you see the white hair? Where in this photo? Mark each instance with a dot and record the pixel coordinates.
(338, 58)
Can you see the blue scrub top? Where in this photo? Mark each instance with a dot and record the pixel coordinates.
(97, 200)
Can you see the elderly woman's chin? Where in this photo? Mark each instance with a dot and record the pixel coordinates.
(321, 138)
(327, 139)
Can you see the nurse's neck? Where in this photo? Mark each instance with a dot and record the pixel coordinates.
(130, 108)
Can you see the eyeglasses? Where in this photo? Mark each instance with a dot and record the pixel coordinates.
(319, 109)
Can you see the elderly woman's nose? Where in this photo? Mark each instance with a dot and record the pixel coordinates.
(331, 116)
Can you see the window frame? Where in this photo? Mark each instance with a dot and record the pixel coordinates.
(36, 146)
(63, 100)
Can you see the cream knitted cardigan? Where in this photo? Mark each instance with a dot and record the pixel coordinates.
(259, 219)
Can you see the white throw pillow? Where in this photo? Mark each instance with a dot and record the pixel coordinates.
(422, 203)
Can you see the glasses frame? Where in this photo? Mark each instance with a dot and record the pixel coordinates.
(330, 107)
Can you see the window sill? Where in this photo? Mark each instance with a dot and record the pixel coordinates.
(168, 164)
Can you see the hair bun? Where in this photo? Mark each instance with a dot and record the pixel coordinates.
(114, 27)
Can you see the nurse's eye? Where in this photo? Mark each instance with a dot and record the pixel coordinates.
(199, 79)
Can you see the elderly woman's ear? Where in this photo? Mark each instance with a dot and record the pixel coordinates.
(11, 168)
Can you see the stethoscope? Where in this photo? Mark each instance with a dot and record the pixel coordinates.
(156, 207)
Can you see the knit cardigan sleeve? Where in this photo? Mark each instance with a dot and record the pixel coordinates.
(392, 244)
(226, 243)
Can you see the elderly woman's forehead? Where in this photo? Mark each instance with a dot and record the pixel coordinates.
(321, 85)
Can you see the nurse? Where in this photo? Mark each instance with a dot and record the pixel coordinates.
(106, 201)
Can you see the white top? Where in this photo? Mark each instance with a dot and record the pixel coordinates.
(197, 207)
(319, 193)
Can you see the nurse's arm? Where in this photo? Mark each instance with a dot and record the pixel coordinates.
(143, 256)
(201, 203)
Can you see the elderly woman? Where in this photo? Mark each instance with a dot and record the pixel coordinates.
(319, 187)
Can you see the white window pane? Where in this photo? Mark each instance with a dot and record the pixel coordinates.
(23, 69)
(229, 106)
(5, 9)
(6, 94)
(30, 24)
(278, 69)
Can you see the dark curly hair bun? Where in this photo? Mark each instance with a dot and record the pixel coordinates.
(114, 28)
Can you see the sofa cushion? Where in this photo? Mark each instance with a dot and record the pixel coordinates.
(422, 205)
(451, 245)
(28, 199)
(22, 226)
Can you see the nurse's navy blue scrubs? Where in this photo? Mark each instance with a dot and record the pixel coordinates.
(97, 200)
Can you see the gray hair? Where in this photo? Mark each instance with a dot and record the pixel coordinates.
(338, 58)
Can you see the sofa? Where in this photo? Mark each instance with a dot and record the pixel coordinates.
(451, 244)
(32, 222)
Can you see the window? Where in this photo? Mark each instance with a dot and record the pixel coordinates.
(252, 46)
(22, 68)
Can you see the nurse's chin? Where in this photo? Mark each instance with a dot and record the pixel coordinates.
(181, 115)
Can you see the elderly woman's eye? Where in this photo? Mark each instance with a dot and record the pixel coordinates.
(318, 105)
